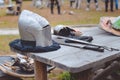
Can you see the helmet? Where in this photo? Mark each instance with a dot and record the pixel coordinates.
(63, 30)
(58, 28)
(34, 29)
(35, 34)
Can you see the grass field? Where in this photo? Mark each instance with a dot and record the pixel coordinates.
(80, 17)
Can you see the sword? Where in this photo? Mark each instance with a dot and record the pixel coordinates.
(94, 48)
(69, 42)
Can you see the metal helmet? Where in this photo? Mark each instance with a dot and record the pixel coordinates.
(33, 27)
(58, 28)
(63, 30)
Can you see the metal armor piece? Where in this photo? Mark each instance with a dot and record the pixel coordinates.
(33, 27)
(58, 28)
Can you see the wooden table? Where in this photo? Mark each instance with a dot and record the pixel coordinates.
(79, 62)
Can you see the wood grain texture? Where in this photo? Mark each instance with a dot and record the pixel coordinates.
(40, 71)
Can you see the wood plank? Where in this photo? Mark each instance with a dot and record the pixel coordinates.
(82, 61)
(94, 31)
(75, 60)
(105, 40)
(111, 39)
(100, 36)
(40, 71)
(47, 56)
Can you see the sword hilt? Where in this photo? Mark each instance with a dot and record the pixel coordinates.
(94, 48)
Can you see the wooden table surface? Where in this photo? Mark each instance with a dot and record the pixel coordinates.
(76, 60)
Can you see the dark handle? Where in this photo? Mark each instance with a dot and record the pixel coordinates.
(94, 48)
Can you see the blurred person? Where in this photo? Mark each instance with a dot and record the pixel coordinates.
(18, 6)
(10, 10)
(96, 5)
(71, 3)
(57, 3)
(111, 5)
(46, 3)
(77, 4)
(43, 3)
(116, 4)
(10, 7)
(1, 3)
